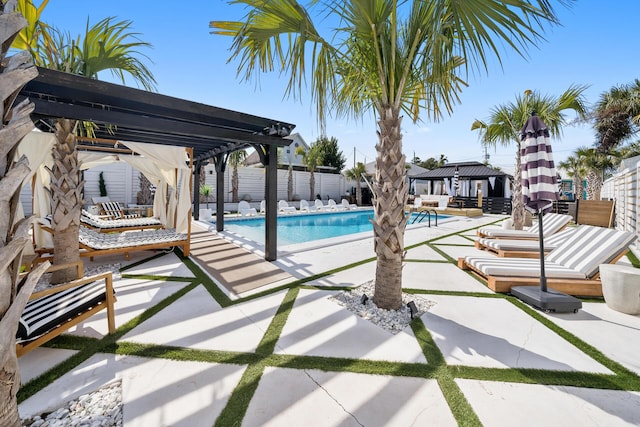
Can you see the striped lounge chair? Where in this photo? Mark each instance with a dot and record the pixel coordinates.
(522, 248)
(572, 267)
(552, 223)
(52, 311)
(115, 210)
(103, 225)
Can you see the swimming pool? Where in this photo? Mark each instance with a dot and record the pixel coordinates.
(300, 228)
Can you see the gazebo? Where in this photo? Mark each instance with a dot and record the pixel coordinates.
(472, 176)
(134, 115)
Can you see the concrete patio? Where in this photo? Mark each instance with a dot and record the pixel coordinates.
(190, 353)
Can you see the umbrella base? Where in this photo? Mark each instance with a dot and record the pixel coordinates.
(551, 300)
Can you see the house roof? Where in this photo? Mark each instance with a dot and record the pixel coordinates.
(468, 170)
(412, 170)
(138, 115)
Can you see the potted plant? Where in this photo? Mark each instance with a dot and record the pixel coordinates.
(205, 192)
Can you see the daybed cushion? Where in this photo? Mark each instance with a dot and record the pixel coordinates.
(97, 222)
(96, 240)
(550, 242)
(520, 267)
(45, 313)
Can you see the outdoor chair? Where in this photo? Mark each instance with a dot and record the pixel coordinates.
(245, 209)
(103, 225)
(320, 206)
(263, 207)
(522, 248)
(348, 206)
(52, 311)
(306, 207)
(572, 267)
(552, 223)
(332, 205)
(93, 243)
(283, 207)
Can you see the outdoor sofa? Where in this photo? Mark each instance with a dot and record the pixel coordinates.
(572, 268)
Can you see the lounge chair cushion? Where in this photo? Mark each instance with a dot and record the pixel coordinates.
(45, 313)
(96, 240)
(589, 247)
(551, 223)
(97, 222)
(520, 267)
(550, 242)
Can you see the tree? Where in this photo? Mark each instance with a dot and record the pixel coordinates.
(575, 170)
(356, 174)
(617, 115)
(386, 57)
(311, 159)
(15, 289)
(595, 163)
(108, 45)
(505, 123)
(236, 158)
(330, 154)
(432, 163)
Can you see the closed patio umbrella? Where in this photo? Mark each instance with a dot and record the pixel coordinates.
(455, 184)
(539, 191)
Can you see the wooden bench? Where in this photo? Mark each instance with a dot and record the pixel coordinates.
(52, 311)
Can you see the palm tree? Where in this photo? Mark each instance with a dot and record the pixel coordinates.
(575, 170)
(386, 57)
(108, 45)
(506, 121)
(15, 289)
(617, 115)
(311, 160)
(356, 174)
(236, 158)
(596, 163)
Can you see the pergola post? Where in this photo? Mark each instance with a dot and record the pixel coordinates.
(196, 191)
(220, 162)
(271, 196)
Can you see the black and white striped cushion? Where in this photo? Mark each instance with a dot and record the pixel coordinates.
(43, 314)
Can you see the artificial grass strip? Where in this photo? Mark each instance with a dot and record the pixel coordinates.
(221, 298)
(633, 259)
(360, 366)
(185, 354)
(145, 260)
(546, 377)
(240, 398)
(268, 343)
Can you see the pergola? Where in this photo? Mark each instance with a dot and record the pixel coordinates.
(129, 114)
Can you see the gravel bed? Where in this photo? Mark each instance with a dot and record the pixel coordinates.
(393, 321)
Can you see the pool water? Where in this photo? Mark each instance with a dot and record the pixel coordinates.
(300, 228)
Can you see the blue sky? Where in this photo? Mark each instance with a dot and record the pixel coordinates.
(596, 46)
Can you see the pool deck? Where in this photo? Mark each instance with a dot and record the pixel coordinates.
(189, 352)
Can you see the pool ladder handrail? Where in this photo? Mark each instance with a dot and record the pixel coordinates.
(427, 212)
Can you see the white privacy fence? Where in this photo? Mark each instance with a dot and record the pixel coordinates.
(623, 188)
(122, 182)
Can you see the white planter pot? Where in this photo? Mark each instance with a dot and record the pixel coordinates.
(621, 287)
(205, 214)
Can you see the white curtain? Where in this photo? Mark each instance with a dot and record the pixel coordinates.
(507, 188)
(36, 146)
(448, 187)
(176, 173)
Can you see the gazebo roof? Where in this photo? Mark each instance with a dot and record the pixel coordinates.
(129, 114)
(467, 170)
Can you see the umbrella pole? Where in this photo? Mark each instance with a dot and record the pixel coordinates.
(543, 278)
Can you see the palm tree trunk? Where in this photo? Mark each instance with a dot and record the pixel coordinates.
(290, 184)
(593, 185)
(15, 123)
(517, 206)
(312, 185)
(358, 193)
(66, 199)
(577, 187)
(234, 185)
(389, 221)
